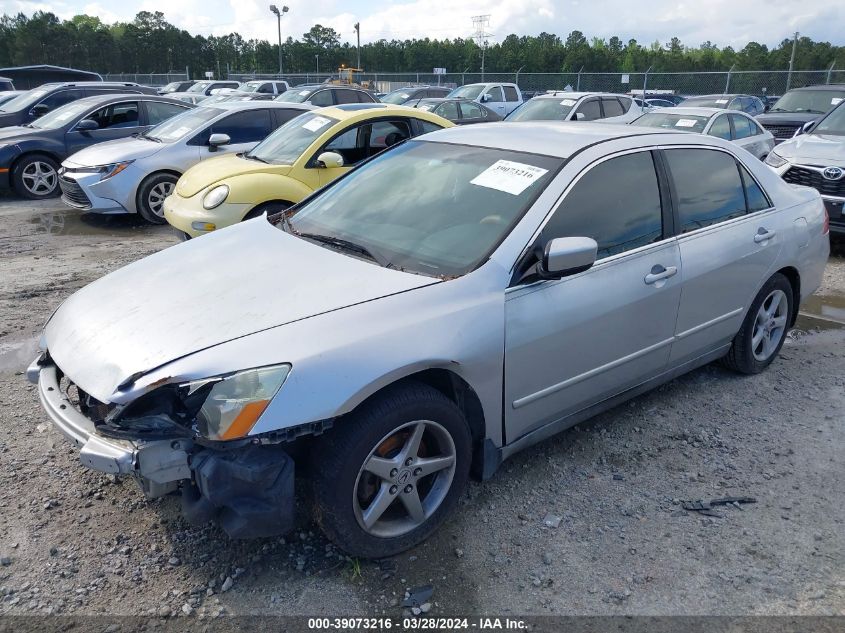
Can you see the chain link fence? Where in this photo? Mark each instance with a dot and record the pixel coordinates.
(683, 83)
(147, 79)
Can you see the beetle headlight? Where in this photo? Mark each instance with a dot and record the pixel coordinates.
(775, 160)
(234, 403)
(215, 197)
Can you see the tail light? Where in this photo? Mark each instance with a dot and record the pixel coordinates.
(826, 225)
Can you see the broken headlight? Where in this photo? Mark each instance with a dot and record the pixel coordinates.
(234, 403)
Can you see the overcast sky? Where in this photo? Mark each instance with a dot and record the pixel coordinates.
(722, 22)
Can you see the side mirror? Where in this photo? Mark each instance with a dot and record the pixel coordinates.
(567, 256)
(40, 110)
(87, 125)
(329, 160)
(216, 140)
(804, 129)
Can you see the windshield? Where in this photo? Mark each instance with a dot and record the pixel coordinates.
(718, 101)
(251, 86)
(173, 86)
(61, 116)
(24, 101)
(176, 127)
(833, 123)
(200, 86)
(397, 97)
(678, 122)
(295, 95)
(544, 109)
(444, 221)
(467, 92)
(288, 142)
(813, 101)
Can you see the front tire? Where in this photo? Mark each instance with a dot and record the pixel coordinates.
(388, 474)
(36, 176)
(151, 195)
(764, 329)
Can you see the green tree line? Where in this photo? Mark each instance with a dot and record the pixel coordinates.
(150, 44)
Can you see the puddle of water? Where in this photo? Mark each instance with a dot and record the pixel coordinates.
(17, 355)
(75, 223)
(825, 312)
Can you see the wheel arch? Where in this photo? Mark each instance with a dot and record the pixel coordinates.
(152, 174)
(453, 386)
(264, 203)
(794, 278)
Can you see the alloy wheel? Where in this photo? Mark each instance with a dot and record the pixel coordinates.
(39, 178)
(769, 325)
(156, 197)
(404, 479)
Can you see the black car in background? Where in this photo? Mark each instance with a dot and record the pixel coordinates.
(411, 95)
(176, 86)
(47, 97)
(30, 155)
(744, 103)
(459, 111)
(800, 106)
(322, 95)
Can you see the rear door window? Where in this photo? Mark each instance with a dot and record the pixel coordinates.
(742, 126)
(346, 96)
(448, 110)
(158, 111)
(708, 187)
(321, 98)
(721, 128)
(617, 203)
(510, 94)
(612, 107)
(116, 115)
(470, 110)
(496, 94)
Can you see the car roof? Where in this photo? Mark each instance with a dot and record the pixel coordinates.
(90, 84)
(720, 96)
(120, 96)
(708, 112)
(569, 94)
(821, 87)
(255, 105)
(550, 138)
(352, 110)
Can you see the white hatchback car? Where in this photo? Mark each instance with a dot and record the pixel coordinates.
(563, 105)
(730, 125)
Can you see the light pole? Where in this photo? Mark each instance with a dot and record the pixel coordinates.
(317, 57)
(279, 14)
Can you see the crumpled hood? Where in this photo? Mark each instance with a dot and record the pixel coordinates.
(115, 151)
(818, 149)
(226, 285)
(211, 171)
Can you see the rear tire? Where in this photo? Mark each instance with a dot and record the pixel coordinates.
(764, 329)
(388, 474)
(36, 176)
(151, 194)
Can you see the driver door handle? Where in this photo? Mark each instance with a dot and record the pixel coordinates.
(660, 272)
(763, 235)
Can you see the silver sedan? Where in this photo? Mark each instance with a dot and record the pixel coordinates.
(730, 125)
(543, 273)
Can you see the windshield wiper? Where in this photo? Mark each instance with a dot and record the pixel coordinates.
(155, 139)
(254, 157)
(347, 245)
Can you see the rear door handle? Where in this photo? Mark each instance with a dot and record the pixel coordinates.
(763, 235)
(660, 272)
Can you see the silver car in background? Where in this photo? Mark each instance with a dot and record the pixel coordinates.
(135, 175)
(545, 272)
(564, 105)
(730, 125)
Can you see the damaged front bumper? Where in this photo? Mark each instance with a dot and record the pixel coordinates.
(249, 490)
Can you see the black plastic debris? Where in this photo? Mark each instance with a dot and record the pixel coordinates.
(418, 596)
(706, 507)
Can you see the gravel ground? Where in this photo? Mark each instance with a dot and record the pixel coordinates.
(75, 542)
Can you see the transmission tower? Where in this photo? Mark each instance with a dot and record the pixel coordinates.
(481, 23)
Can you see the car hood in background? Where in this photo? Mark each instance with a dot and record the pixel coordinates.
(115, 151)
(787, 118)
(817, 149)
(213, 170)
(13, 132)
(229, 284)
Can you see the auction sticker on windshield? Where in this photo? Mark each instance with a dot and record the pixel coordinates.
(508, 176)
(568, 102)
(685, 123)
(316, 123)
(836, 101)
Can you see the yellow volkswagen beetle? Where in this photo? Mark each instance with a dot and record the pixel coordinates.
(301, 156)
